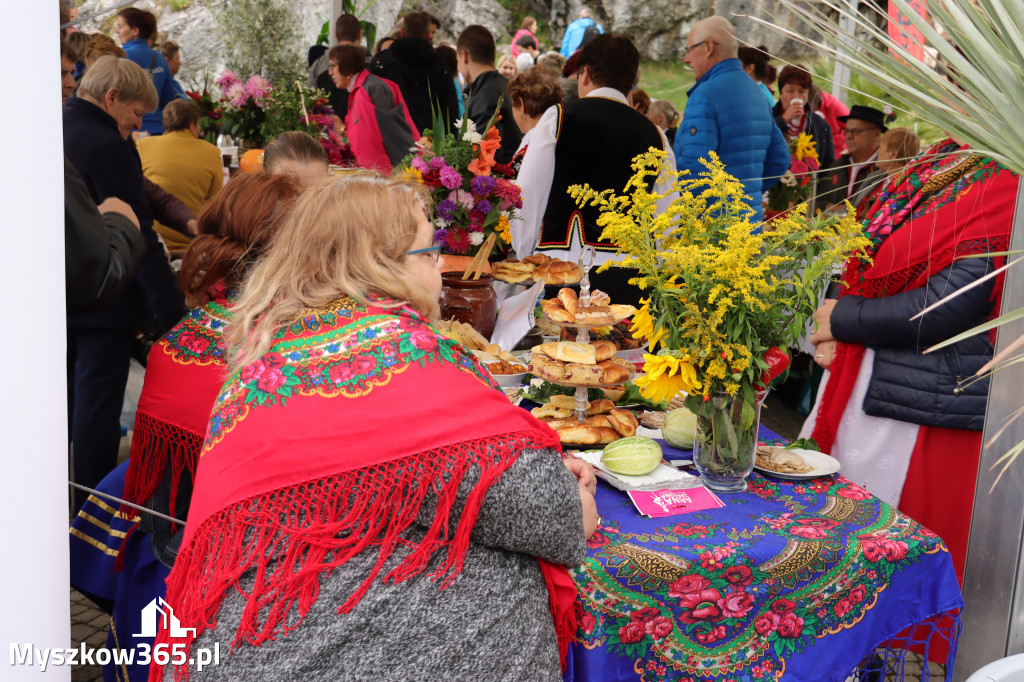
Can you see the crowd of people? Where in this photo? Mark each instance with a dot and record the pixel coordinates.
(297, 314)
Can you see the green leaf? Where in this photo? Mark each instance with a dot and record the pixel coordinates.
(984, 327)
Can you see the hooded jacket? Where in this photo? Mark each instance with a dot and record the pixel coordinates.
(424, 79)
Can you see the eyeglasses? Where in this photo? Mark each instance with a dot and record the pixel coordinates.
(332, 65)
(690, 47)
(433, 252)
(854, 132)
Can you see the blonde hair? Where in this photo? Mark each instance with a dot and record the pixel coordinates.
(665, 109)
(902, 142)
(346, 236)
(129, 79)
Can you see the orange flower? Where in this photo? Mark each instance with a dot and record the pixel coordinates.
(482, 164)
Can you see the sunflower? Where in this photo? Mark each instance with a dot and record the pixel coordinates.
(643, 325)
(665, 376)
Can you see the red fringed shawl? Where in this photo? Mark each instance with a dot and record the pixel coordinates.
(943, 206)
(186, 369)
(345, 395)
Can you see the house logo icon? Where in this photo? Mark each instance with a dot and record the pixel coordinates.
(152, 614)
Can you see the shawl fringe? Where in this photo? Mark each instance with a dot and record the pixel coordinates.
(157, 444)
(313, 527)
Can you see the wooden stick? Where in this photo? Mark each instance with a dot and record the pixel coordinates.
(481, 257)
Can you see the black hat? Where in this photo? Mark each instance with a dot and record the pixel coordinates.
(863, 113)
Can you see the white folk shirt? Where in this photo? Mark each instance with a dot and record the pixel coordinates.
(538, 172)
(855, 169)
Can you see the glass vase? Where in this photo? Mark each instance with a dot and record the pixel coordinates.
(726, 444)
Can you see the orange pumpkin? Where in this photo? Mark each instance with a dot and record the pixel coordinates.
(251, 161)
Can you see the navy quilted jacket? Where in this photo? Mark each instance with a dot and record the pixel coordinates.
(727, 113)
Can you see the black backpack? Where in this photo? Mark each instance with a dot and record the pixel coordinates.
(590, 33)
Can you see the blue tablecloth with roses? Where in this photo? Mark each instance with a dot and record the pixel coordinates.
(796, 581)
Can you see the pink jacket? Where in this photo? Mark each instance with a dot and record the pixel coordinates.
(519, 34)
(831, 109)
(380, 128)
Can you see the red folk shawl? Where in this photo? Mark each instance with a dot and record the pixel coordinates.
(946, 205)
(346, 393)
(186, 369)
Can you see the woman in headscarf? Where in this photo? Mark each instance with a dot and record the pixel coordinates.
(895, 417)
(368, 504)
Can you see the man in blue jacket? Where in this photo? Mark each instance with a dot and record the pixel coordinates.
(577, 30)
(727, 114)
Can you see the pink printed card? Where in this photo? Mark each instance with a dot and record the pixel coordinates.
(658, 503)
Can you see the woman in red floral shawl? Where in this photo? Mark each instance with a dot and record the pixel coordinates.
(368, 504)
(896, 418)
(187, 366)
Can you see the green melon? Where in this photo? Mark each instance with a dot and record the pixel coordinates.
(634, 456)
(680, 428)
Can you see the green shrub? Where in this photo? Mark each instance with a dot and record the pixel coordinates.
(262, 36)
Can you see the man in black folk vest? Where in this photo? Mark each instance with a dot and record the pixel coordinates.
(590, 140)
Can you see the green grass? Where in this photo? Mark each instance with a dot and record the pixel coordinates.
(666, 80)
(671, 80)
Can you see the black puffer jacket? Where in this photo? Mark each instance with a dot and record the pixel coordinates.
(905, 384)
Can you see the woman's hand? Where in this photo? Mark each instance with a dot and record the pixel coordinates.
(583, 472)
(823, 322)
(825, 353)
(793, 111)
(590, 517)
(339, 126)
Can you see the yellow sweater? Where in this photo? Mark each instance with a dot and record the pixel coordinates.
(189, 168)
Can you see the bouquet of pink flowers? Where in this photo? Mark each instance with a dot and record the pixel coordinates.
(257, 111)
(470, 202)
(243, 115)
(795, 186)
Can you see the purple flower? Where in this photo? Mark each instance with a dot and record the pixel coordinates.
(482, 185)
(446, 209)
(419, 164)
(440, 235)
(483, 207)
(450, 178)
(437, 163)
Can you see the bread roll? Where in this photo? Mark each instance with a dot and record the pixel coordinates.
(598, 297)
(614, 393)
(604, 349)
(548, 349)
(598, 420)
(623, 421)
(560, 315)
(572, 351)
(567, 297)
(600, 406)
(549, 412)
(614, 375)
(564, 402)
(621, 312)
(563, 423)
(595, 315)
(616, 361)
(583, 435)
(513, 266)
(588, 375)
(538, 259)
(551, 303)
(607, 434)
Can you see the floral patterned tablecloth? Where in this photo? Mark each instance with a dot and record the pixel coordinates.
(799, 581)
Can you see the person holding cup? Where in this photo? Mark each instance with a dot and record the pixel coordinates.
(796, 111)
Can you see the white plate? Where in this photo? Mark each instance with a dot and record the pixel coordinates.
(820, 463)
